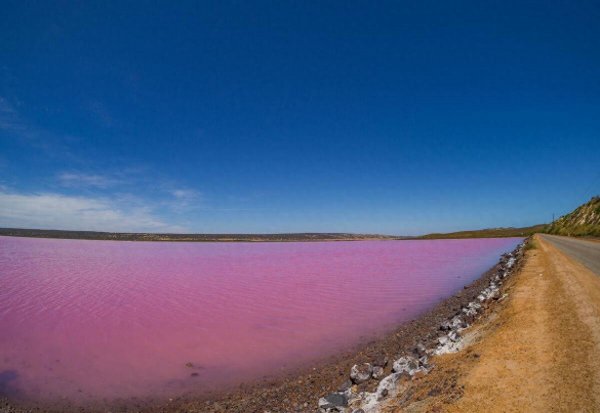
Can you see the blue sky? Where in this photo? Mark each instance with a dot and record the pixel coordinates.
(388, 117)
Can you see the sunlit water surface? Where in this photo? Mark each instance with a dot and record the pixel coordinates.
(91, 320)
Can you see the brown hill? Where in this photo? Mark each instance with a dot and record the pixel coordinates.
(583, 221)
(488, 233)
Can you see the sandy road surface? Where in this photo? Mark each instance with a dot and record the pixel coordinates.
(539, 351)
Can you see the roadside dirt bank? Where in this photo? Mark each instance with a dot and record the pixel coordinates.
(536, 351)
(299, 391)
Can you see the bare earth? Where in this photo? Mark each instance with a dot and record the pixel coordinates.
(539, 350)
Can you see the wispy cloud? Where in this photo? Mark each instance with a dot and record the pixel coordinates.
(59, 211)
(184, 199)
(77, 179)
(185, 194)
(10, 121)
(14, 125)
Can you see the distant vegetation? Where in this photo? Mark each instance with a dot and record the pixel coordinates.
(123, 236)
(583, 221)
(141, 236)
(488, 233)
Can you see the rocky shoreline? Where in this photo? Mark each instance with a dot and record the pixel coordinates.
(359, 380)
(415, 363)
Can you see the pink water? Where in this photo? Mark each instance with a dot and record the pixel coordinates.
(89, 320)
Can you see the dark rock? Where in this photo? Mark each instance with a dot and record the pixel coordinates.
(420, 350)
(361, 372)
(446, 326)
(378, 372)
(333, 400)
(345, 386)
(381, 361)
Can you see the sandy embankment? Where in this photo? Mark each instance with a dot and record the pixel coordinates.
(537, 351)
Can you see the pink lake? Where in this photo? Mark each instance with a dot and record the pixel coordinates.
(101, 320)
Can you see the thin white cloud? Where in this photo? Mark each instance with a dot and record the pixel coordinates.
(183, 200)
(21, 129)
(70, 179)
(185, 194)
(58, 211)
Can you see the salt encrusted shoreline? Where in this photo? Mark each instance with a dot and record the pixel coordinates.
(409, 365)
(326, 385)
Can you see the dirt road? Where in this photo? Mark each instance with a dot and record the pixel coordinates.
(539, 351)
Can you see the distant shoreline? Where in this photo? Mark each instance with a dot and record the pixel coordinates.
(167, 237)
(284, 237)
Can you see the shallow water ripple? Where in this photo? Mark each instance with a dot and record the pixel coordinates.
(88, 320)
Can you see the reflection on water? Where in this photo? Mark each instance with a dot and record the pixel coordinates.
(6, 378)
